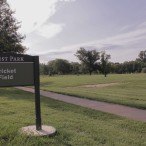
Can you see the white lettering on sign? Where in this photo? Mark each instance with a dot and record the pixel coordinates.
(16, 59)
(11, 59)
(7, 74)
(3, 59)
(6, 77)
(7, 71)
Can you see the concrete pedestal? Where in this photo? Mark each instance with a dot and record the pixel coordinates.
(31, 131)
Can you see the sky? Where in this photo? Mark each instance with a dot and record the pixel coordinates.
(58, 28)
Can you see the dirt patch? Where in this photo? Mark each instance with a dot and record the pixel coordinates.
(100, 85)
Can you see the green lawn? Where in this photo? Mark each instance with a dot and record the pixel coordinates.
(130, 89)
(75, 126)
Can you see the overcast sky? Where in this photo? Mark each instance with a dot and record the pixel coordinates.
(57, 28)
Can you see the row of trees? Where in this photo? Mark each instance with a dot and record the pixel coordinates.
(61, 66)
(92, 61)
(137, 66)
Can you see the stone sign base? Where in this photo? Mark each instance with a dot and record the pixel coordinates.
(31, 131)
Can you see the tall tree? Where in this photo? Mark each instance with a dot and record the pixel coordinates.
(10, 38)
(104, 62)
(88, 58)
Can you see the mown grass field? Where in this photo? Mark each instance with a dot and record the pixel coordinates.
(129, 89)
(75, 126)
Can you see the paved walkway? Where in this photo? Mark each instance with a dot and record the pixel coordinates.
(120, 110)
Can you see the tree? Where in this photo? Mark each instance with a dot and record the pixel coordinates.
(41, 65)
(88, 58)
(104, 62)
(142, 56)
(10, 38)
(60, 66)
(51, 67)
(75, 67)
(44, 70)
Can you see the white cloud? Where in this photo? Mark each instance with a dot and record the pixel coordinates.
(34, 13)
(50, 30)
(124, 39)
(123, 45)
(142, 25)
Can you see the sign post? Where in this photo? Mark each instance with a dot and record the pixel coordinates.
(37, 93)
(23, 70)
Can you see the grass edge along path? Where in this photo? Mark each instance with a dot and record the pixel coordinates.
(120, 110)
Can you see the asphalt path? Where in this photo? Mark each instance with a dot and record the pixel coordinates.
(116, 109)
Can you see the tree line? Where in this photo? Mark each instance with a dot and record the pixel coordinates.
(92, 61)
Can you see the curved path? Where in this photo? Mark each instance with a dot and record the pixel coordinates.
(120, 110)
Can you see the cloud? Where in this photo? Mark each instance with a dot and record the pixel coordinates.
(34, 13)
(56, 54)
(142, 24)
(121, 40)
(127, 45)
(50, 30)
